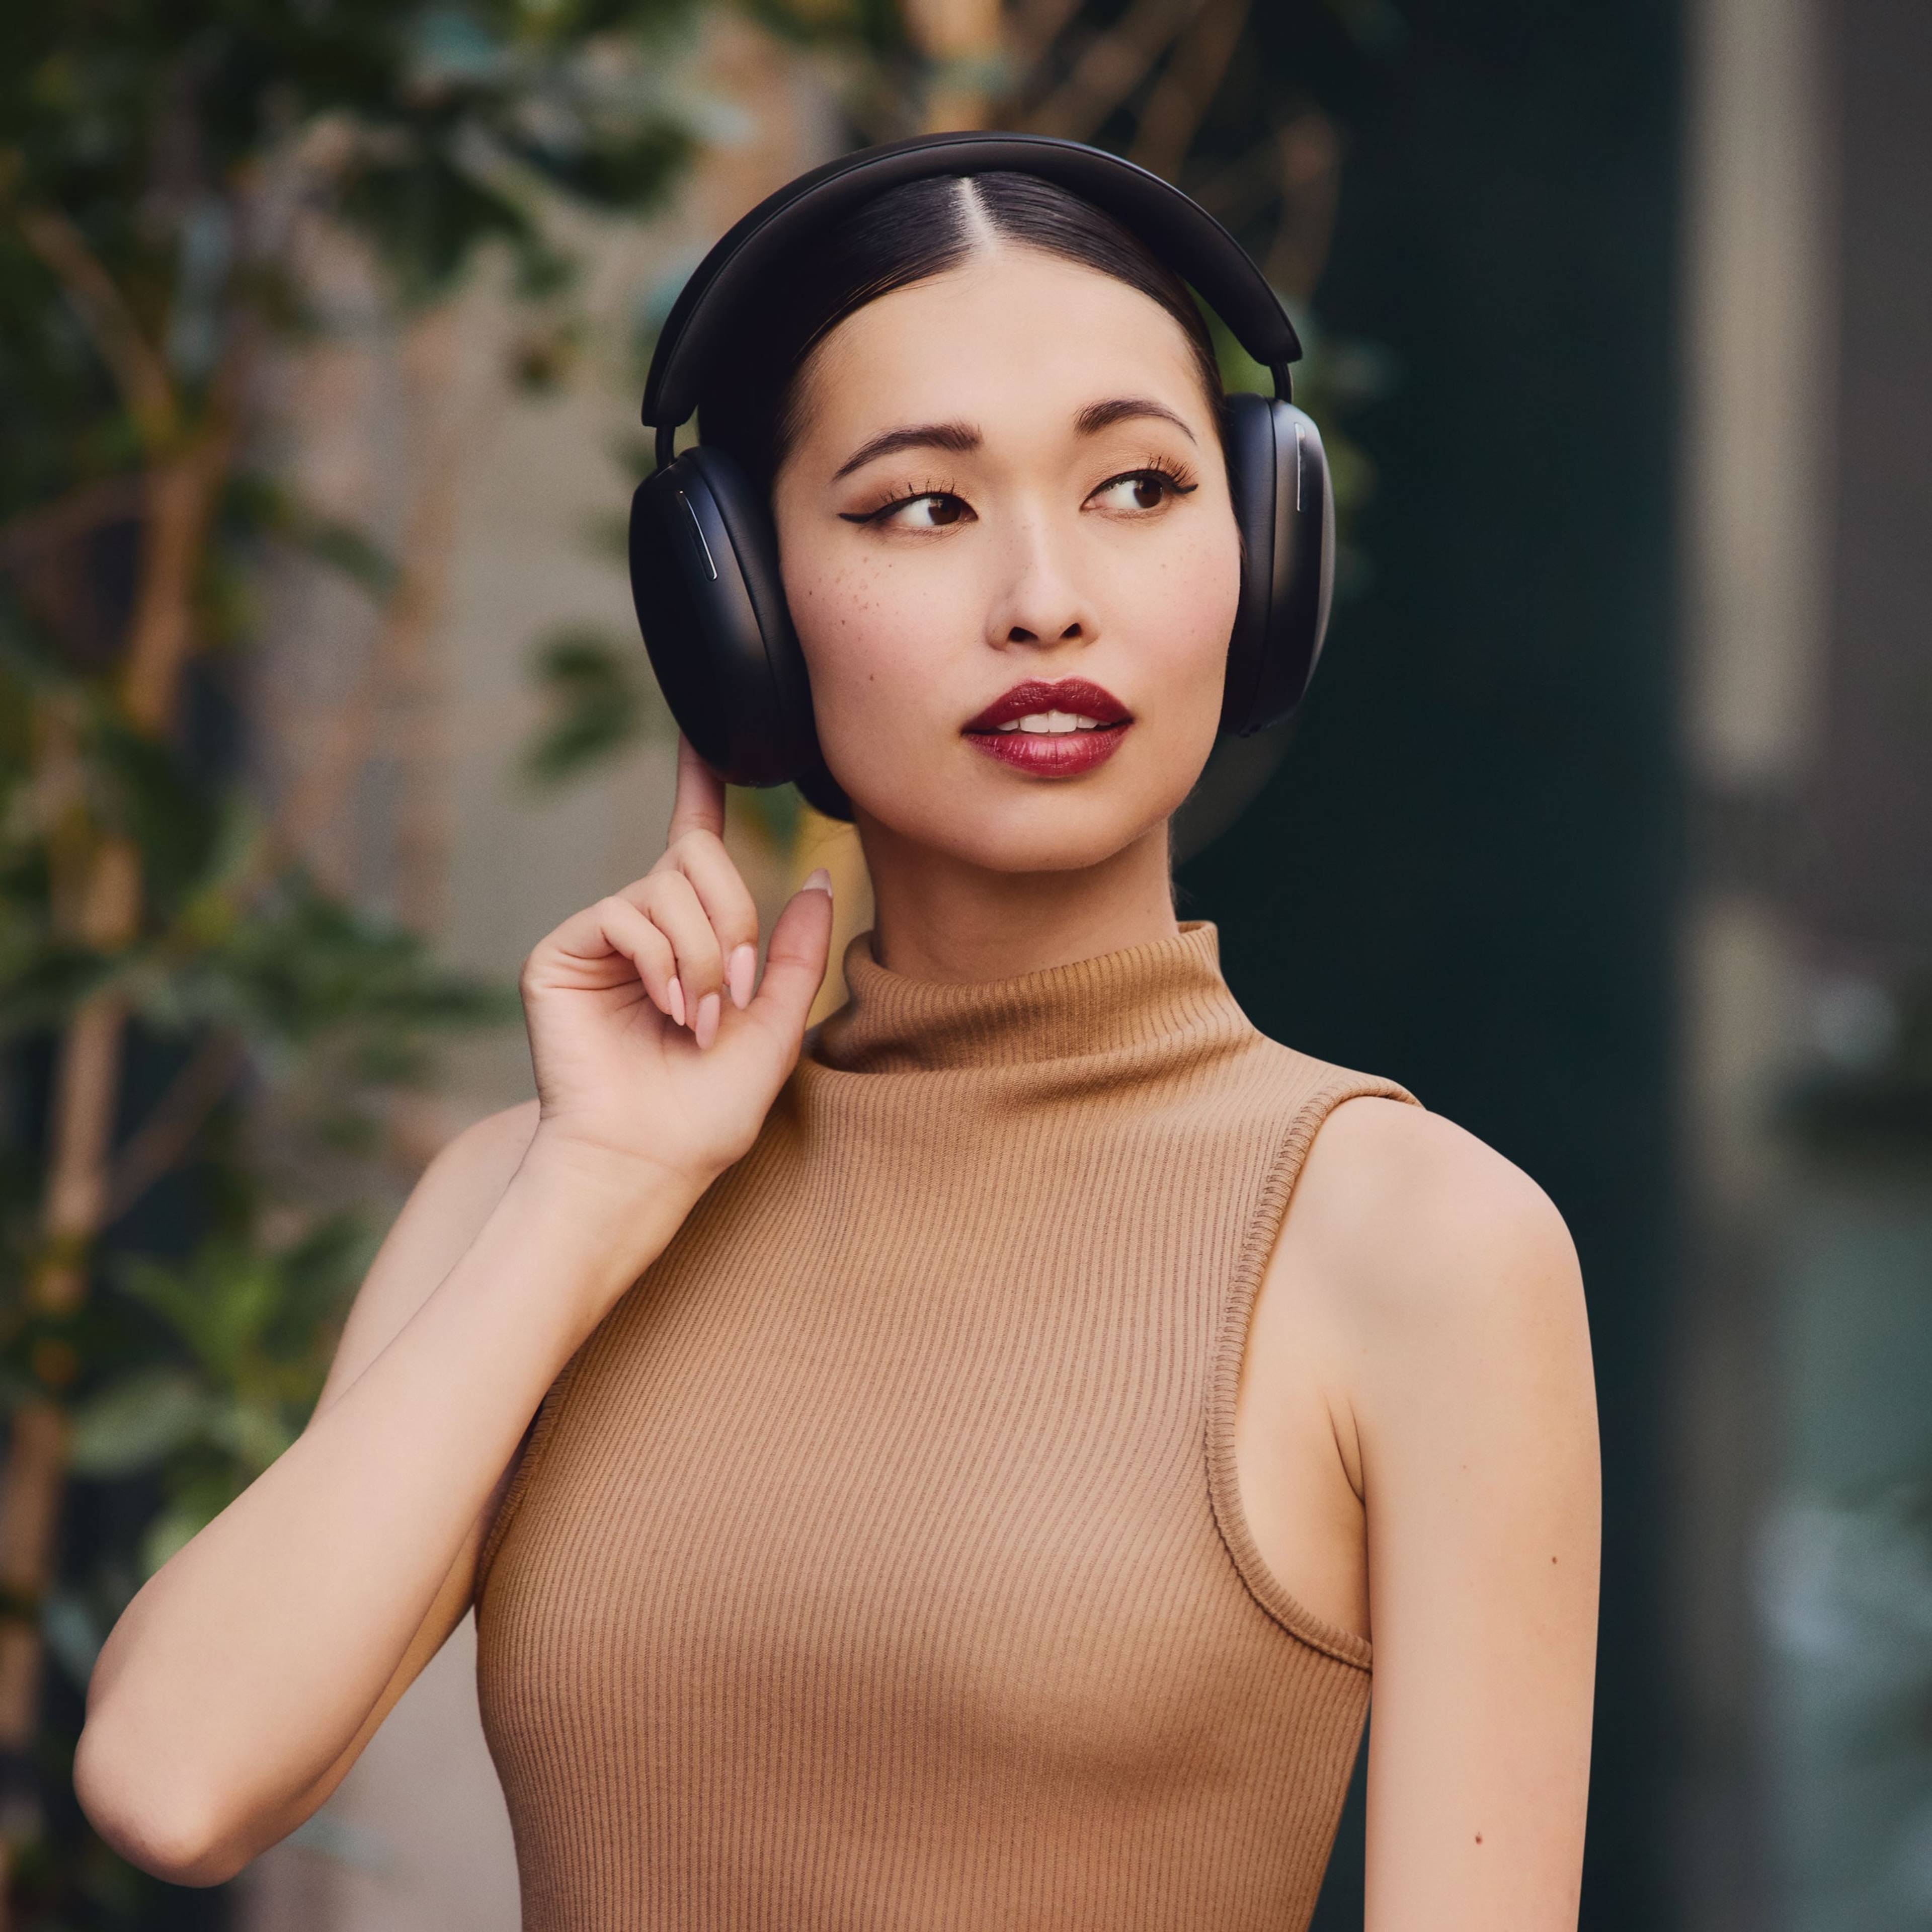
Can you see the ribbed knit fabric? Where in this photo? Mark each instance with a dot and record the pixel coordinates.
(877, 1565)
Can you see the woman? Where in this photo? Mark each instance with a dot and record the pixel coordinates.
(971, 1455)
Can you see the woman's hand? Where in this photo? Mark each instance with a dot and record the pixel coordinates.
(245, 1678)
(649, 1042)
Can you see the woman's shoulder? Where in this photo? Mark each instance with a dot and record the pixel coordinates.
(1405, 1220)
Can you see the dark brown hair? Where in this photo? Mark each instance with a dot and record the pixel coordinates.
(750, 404)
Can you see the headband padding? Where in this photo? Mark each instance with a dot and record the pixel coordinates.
(738, 271)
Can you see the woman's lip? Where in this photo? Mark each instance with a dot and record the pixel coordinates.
(1073, 695)
(1053, 754)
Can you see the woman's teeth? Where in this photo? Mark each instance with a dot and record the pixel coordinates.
(1052, 721)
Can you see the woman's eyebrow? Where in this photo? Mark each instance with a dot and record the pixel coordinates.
(1097, 416)
(958, 437)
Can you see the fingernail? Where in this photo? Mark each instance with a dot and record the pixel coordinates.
(820, 881)
(675, 994)
(709, 1008)
(744, 965)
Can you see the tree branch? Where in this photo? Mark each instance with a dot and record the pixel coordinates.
(109, 500)
(1182, 96)
(1033, 27)
(180, 502)
(1309, 148)
(177, 1116)
(139, 373)
(1112, 67)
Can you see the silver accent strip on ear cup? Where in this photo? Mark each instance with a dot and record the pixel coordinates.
(1297, 466)
(698, 532)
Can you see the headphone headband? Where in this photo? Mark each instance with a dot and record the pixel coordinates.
(1176, 228)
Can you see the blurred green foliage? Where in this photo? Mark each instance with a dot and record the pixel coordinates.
(599, 699)
(248, 1329)
(163, 165)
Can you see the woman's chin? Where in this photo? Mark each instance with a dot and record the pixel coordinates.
(1053, 825)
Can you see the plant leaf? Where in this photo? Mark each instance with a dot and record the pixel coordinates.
(136, 1422)
(599, 700)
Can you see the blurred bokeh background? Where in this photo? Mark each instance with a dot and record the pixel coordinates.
(1608, 828)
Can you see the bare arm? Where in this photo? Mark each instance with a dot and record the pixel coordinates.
(241, 1682)
(1445, 1312)
(448, 1208)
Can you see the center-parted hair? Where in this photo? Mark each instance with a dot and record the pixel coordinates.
(751, 406)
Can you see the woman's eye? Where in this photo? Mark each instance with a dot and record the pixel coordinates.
(1144, 490)
(935, 510)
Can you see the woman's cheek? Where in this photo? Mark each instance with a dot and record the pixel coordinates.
(1181, 613)
(868, 637)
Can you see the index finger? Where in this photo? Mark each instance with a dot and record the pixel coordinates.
(700, 806)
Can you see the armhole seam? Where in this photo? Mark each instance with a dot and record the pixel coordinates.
(1225, 1373)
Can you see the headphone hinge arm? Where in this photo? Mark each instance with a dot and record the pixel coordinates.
(1284, 383)
(667, 444)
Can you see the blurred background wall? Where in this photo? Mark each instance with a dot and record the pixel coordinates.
(1805, 1434)
(1608, 828)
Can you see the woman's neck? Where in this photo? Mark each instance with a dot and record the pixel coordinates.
(941, 919)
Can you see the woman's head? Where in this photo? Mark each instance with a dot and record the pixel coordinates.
(990, 422)
(755, 405)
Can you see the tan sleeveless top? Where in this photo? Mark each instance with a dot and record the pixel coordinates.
(877, 1565)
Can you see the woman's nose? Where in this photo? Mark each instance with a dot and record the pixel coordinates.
(1070, 632)
(1041, 604)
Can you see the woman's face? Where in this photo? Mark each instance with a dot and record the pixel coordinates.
(1010, 556)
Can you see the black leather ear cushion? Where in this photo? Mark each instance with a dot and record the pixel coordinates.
(822, 793)
(710, 602)
(1252, 476)
(1284, 505)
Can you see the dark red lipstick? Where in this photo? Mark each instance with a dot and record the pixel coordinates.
(1055, 730)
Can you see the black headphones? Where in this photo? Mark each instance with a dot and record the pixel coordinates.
(704, 565)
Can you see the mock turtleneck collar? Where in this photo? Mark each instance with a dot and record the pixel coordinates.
(1119, 1001)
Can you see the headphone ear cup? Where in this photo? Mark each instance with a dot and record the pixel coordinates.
(1285, 507)
(824, 794)
(710, 602)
